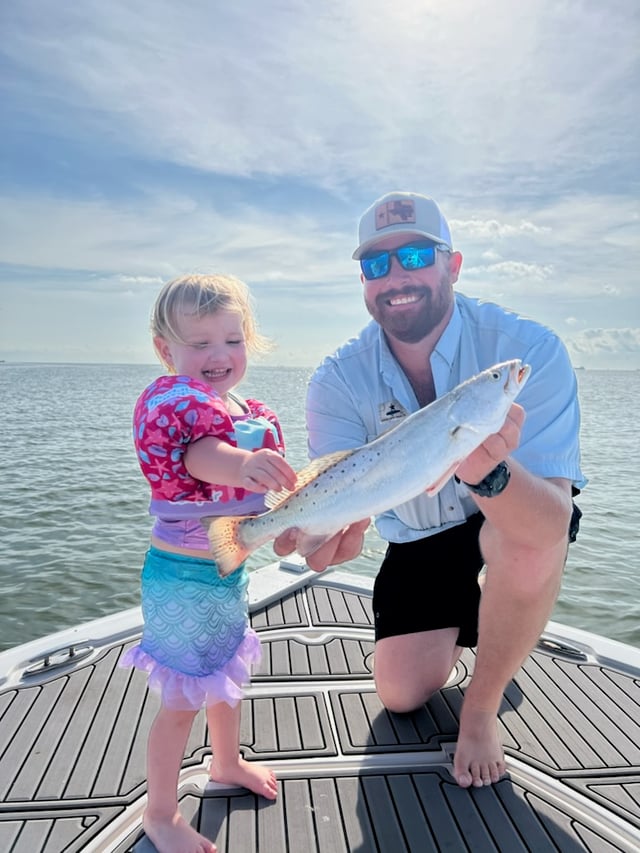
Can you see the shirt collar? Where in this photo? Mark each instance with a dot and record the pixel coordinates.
(448, 343)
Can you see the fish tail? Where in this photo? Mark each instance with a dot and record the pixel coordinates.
(225, 542)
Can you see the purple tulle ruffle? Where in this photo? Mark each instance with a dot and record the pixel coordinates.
(182, 692)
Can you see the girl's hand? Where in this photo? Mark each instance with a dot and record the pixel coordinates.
(264, 470)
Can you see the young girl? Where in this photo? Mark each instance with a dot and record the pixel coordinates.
(205, 451)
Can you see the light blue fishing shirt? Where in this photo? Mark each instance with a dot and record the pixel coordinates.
(360, 392)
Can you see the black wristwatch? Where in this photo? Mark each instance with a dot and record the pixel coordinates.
(494, 483)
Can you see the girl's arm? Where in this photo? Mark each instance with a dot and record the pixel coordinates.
(215, 461)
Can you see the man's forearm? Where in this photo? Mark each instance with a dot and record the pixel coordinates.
(531, 511)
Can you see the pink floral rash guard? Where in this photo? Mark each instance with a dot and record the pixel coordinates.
(170, 414)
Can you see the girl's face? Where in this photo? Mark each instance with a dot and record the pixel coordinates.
(214, 349)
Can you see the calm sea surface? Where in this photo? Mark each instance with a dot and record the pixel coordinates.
(74, 525)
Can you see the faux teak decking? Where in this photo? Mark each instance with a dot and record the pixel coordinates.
(352, 776)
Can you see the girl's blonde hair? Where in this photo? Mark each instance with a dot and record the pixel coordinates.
(200, 295)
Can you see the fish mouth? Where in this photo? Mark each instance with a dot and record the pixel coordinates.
(518, 375)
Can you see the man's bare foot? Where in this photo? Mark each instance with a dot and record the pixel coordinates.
(479, 758)
(174, 835)
(256, 777)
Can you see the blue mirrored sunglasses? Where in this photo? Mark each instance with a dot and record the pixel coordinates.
(415, 256)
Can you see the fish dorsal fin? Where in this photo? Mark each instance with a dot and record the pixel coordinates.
(305, 476)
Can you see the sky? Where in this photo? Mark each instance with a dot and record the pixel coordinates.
(140, 141)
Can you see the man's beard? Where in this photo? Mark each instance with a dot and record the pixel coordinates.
(416, 323)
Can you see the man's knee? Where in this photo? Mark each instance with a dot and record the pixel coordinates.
(403, 701)
(405, 695)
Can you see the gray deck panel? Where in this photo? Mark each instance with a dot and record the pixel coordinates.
(443, 826)
(365, 726)
(259, 731)
(85, 772)
(131, 776)
(16, 768)
(585, 714)
(327, 816)
(384, 819)
(412, 816)
(336, 608)
(594, 841)
(562, 829)
(277, 731)
(364, 812)
(536, 740)
(89, 683)
(303, 658)
(573, 738)
(119, 745)
(523, 726)
(516, 804)
(241, 822)
(54, 830)
(214, 817)
(358, 831)
(14, 707)
(337, 659)
(471, 811)
(393, 813)
(49, 760)
(310, 724)
(298, 808)
(318, 662)
(288, 612)
(619, 696)
(619, 793)
(271, 825)
(36, 834)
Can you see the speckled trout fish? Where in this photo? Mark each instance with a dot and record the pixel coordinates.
(418, 455)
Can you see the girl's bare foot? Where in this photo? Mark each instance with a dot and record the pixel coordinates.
(256, 777)
(174, 835)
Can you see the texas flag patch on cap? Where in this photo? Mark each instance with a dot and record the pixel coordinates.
(395, 213)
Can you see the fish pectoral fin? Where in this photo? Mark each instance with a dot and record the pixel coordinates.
(433, 488)
(308, 544)
(274, 499)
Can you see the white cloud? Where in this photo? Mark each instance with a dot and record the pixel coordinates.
(511, 270)
(149, 139)
(492, 229)
(347, 91)
(623, 343)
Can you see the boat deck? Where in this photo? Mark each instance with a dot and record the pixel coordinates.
(353, 777)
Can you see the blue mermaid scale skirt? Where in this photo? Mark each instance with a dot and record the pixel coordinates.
(196, 646)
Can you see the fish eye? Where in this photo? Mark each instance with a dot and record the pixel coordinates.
(495, 374)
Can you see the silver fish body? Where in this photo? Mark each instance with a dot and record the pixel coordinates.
(418, 455)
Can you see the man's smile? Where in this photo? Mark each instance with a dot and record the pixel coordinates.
(404, 298)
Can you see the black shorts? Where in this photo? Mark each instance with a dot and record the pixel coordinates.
(431, 583)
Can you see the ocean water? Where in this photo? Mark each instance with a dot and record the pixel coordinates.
(74, 525)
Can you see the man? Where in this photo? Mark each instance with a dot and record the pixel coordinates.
(509, 506)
